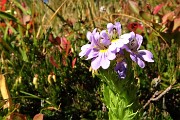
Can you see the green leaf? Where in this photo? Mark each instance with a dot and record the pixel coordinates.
(134, 7)
(106, 95)
(24, 56)
(145, 15)
(24, 10)
(4, 15)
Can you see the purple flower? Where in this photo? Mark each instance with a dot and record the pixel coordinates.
(98, 50)
(119, 43)
(121, 68)
(87, 50)
(116, 40)
(138, 56)
(94, 34)
(102, 55)
(116, 27)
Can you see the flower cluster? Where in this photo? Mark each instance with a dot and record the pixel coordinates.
(110, 44)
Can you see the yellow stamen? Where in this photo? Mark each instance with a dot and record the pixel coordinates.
(114, 40)
(103, 51)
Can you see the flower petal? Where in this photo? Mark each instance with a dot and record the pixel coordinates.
(85, 49)
(125, 37)
(88, 35)
(105, 38)
(136, 59)
(94, 31)
(120, 43)
(112, 47)
(121, 68)
(133, 57)
(95, 64)
(105, 63)
(118, 27)
(111, 55)
(140, 63)
(110, 27)
(96, 36)
(146, 55)
(139, 38)
(92, 54)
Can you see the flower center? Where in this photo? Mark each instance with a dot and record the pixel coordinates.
(114, 40)
(133, 45)
(103, 51)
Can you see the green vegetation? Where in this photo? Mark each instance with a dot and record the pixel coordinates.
(40, 67)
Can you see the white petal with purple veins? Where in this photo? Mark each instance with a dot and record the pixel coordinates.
(133, 57)
(140, 62)
(105, 38)
(118, 27)
(89, 35)
(110, 27)
(146, 55)
(111, 56)
(136, 59)
(85, 49)
(96, 63)
(92, 54)
(112, 47)
(139, 38)
(105, 63)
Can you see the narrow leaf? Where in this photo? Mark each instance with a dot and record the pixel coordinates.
(145, 15)
(176, 24)
(134, 7)
(5, 92)
(24, 56)
(168, 17)
(157, 8)
(4, 15)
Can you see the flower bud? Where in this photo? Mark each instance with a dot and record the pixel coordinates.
(49, 79)
(35, 81)
(54, 78)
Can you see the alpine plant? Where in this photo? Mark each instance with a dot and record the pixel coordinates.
(107, 45)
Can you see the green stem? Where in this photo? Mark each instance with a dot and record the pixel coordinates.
(120, 95)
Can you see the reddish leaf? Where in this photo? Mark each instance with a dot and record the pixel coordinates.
(64, 61)
(38, 117)
(3, 2)
(2, 24)
(53, 62)
(157, 8)
(16, 116)
(23, 4)
(58, 40)
(135, 27)
(65, 45)
(73, 62)
(51, 38)
(168, 17)
(176, 24)
(55, 41)
(2, 5)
